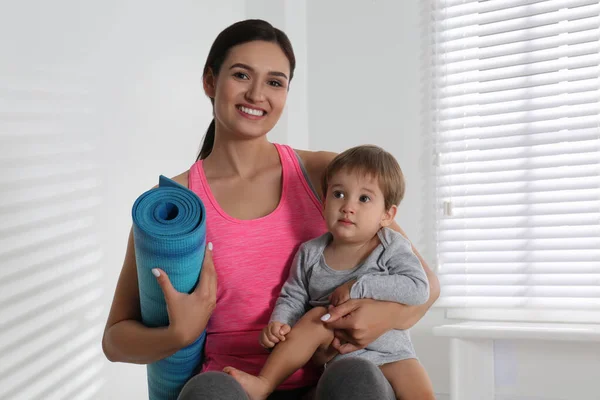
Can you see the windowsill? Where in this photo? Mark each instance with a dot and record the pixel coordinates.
(520, 330)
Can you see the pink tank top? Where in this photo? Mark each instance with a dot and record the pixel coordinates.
(252, 259)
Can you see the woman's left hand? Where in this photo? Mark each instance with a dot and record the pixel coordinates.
(358, 322)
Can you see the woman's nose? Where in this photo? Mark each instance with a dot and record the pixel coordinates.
(255, 93)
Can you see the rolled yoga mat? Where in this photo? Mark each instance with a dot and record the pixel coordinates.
(169, 230)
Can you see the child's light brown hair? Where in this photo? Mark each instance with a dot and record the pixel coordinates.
(371, 161)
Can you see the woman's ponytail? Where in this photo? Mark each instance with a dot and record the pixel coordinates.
(209, 141)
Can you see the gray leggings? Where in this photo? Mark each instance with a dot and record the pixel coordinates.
(349, 378)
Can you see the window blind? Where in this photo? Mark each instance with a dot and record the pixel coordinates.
(515, 96)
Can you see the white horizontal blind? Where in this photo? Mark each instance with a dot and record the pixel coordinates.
(516, 120)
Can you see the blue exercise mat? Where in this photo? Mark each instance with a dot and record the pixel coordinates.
(169, 231)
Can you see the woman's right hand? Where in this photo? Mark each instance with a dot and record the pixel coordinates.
(189, 313)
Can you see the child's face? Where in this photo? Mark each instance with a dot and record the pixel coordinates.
(355, 207)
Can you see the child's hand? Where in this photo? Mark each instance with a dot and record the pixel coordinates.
(274, 333)
(342, 293)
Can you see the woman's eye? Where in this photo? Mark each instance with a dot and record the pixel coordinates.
(241, 75)
(364, 198)
(275, 83)
(338, 195)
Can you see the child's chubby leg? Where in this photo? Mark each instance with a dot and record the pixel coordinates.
(308, 335)
(409, 380)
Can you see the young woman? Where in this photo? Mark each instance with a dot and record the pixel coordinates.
(262, 201)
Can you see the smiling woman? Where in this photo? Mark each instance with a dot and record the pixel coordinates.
(261, 205)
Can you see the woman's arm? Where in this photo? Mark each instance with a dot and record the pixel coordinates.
(407, 320)
(126, 339)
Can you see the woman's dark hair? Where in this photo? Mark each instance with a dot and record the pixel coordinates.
(241, 32)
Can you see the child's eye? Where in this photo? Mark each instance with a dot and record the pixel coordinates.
(275, 83)
(241, 75)
(338, 195)
(364, 199)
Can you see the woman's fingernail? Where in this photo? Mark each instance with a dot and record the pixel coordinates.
(210, 246)
(325, 317)
(155, 272)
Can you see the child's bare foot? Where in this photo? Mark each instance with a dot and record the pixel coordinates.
(256, 387)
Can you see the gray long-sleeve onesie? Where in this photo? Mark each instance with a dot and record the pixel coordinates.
(392, 272)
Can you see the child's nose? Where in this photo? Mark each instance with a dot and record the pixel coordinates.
(348, 208)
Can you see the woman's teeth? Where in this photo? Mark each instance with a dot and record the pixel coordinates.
(251, 111)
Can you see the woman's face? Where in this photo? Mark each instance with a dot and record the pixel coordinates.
(251, 88)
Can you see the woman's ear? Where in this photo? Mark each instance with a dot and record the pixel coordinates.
(209, 80)
(389, 215)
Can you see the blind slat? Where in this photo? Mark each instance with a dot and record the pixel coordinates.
(522, 94)
(548, 185)
(523, 255)
(550, 125)
(524, 314)
(519, 164)
(531, 269)
(467, 180)
(488, 15)
(525, 116)
(576, 141)
(562, 76)
(540, 103)
(516, 24)
(565, 220)
(541, 279)
(492, 243)
(558, 303)
(527, 198)
(521, 64)
(522, 47)
(451, 9)
(524, 35)
(528, 291)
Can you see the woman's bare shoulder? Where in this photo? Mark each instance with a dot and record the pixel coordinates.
(182, 179)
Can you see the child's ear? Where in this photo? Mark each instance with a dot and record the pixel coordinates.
(209, 81)
(388, 216)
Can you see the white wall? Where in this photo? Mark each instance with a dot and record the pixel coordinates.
(365, 80)
(96, 100)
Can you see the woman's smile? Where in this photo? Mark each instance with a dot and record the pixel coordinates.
(251, 112)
